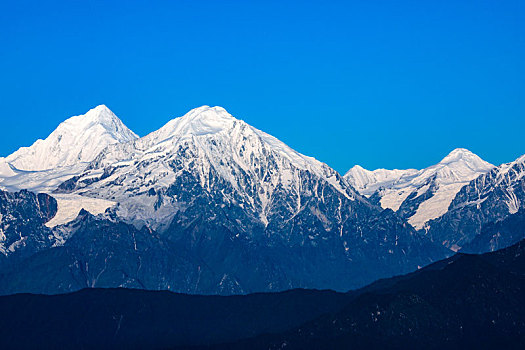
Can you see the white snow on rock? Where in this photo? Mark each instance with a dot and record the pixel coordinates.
(437, 205)
(65, 153)
(367, 182)
(76, 140)
(206, 140)
(446, 178)
(69, 205)
(5, 169)
(44, 181)
(204, 123)
(507, 179)
(211, 140)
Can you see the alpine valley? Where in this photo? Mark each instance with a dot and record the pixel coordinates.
(208, 204)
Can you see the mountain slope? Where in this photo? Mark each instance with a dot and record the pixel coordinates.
(22, 230)
(462, 302)
(499, 234)
(204, 259)
(488, 198)
(420, 196)
(467, 301)
(215, 150)
(63, 154)
(367, 182)
(138, 319)
(227, 192)
(94, 252)
(76, 140)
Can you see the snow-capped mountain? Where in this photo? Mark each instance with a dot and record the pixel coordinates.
(76, 140)
(215, 150)
(420, 195)
(65, 153)
(243, 212)
(487, 199)
(210, 204)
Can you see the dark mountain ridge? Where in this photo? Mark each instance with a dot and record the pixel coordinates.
(209, 256)
(464, 301)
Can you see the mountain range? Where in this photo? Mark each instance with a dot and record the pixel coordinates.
(466, 301)
(451, 201)
(208, 204)
(420, 195)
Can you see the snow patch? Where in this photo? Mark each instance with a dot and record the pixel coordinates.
(435, 206)
(69, 206)
(392, 199)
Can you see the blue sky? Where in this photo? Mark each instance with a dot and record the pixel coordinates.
(392, 84)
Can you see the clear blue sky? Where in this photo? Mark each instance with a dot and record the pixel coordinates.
(377, 83)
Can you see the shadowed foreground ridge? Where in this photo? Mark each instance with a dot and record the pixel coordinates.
(467, 301)
(464, 301)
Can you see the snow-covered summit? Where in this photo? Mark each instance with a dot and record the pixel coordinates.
(490, 197)
(217, 151)
(461, 157)
(217, 134)
(460, 165)
(78, 139)
(199, 121)
(430, 190)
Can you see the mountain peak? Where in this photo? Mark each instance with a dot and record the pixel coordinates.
(101, 115)
(445, 178)
(99, 111)
(457, 154)
(207, 111)
(207, 123)
(467, 158)
(198, 121)
(357, 167)
(99, 108)
(207, 119)
(76, 140)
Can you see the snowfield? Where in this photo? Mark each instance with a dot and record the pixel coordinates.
(440, 182)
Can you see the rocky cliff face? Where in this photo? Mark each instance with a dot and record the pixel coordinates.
(489, 198)
(22, 218)
(497, 235)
